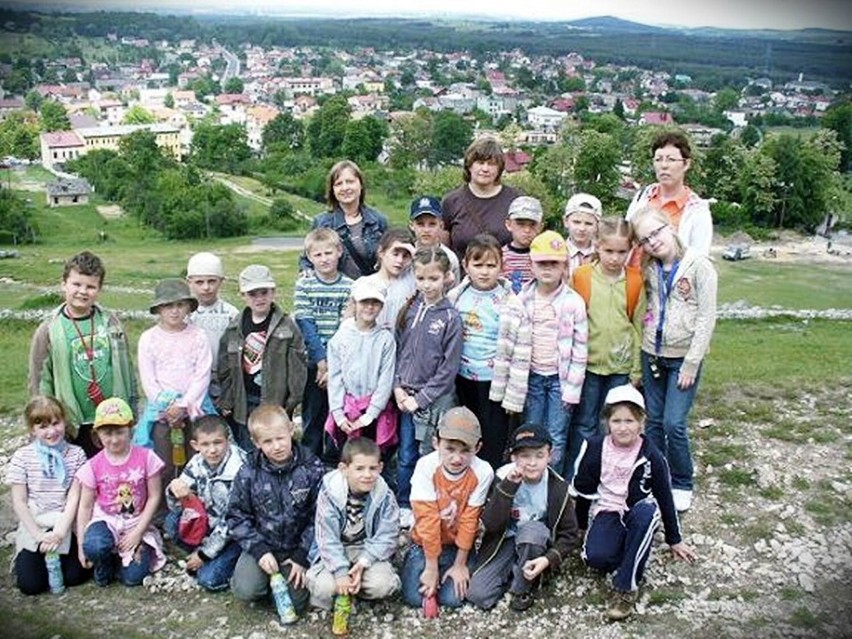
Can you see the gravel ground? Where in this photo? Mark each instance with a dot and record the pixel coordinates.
(771, 524)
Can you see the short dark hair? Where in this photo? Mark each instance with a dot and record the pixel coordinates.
(484, 149)
(334, 173)
(359, 446)
(481, 244)
(209, 424)
(85, 263)
(675, 139)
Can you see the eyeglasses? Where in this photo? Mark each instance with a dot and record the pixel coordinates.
(653, 234)
(259, 292)
(668, 160)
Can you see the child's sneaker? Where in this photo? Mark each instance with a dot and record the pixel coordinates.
(103, 572)
(521, 601)
(682, 499)
(621, 605)
(406, 518)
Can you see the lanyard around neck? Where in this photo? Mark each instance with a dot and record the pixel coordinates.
(666, 283)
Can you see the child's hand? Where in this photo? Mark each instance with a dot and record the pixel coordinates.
(361, 422)
(429, 581)
(399, 396)
(343, 585)
(84, 561)
(534, 567)
(322, 374)
(297, 573)
(130, 541)
(268, 564)
(683, 552)
(50, 541)
(347, 426)
(461, 579)
(355, 574)
(515, 475)
(194, 562)
(410, 405)
(174, 413)
(685, 381)
(179, 488)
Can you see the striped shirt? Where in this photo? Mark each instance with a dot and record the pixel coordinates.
(517, 266)
(44, 494)
(545, 335)
(320, 303)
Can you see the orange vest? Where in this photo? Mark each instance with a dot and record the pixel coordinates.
(582, 283)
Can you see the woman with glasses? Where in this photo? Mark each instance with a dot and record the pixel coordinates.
(687, 212)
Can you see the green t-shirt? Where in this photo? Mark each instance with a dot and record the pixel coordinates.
(95, 336)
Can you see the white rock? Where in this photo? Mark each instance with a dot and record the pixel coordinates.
(806, 582)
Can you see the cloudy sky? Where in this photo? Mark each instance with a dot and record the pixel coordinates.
(743, 14)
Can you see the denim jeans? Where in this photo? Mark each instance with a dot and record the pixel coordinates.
(412, 568)
(314, 413)
(100, 548)
(586, 418)
(667, 407)
(415, 440)
(214, 574)
(544, 407)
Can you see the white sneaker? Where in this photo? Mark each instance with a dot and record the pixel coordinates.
(406, 518)
(682, 499)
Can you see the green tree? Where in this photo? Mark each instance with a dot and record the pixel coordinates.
(138, 115)
(750, 136)
(54, 117)
(721, 167)
(33, 100)
(451, 135)
(364, 139)
(234, 85)
(411, 138)
(725, 100)
(19, 136)
(222, 148)
(618, 109)
(169, 101)
(327, 128)
(757, 180)
(596, 170)
(284, 132)
(838, 118)
(15, 224)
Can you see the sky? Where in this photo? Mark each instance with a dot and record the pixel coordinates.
(734, 14)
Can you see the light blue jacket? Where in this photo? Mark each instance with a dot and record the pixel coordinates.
(381, 523)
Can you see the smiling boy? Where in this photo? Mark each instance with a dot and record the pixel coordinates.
(529, 522)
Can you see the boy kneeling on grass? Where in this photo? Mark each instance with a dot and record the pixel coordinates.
(271, 512)
(529, 522)
(622, 486)
(208, 476)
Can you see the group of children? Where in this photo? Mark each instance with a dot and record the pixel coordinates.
(415, 384)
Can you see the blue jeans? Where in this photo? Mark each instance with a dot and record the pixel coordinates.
(214, 574)
(667, 407)
(544, 407)
(586, 418)
(412, 568)
(622, 543)
(407, 456)
(100, 548)
(314, 413)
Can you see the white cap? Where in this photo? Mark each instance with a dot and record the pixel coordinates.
(366, 288)
(204, 264)
(584, 203)
(626, 393)
(255, 276)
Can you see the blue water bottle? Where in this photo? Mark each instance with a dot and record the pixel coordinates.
(54, 573)
(283, 602)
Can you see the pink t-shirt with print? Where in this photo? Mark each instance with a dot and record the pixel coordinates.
(121, 489)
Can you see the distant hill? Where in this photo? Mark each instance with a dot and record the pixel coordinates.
(613, 25)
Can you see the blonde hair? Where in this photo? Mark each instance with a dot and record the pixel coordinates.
(647, 216)
(322, 235)
(269, 415)
(44, 409)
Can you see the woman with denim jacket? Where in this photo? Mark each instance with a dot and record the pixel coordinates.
(358, 225)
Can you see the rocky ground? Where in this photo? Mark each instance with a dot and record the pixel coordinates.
(771, 525)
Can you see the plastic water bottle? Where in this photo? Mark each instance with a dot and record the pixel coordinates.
(54, 573)
(178, 449)
(342, 611)
(430, 607)
(283, 603)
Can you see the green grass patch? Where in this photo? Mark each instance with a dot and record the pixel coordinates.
(756, 530)
(803, 618)
(828, 509)
(790, 593)
(44, 300)
(801, 483)
(772, 493)
(730, 519)
(662, 596)
(718, 454)
(737, 477)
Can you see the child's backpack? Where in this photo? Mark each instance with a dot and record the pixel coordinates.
(582, 283)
